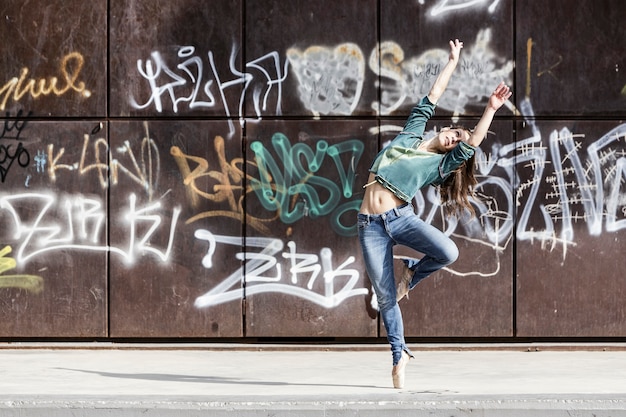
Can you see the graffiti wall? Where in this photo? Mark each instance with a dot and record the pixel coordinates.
(193, 169)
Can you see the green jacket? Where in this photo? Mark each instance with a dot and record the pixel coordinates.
(404, 169)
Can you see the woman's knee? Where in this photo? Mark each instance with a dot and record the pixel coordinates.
(449, 253)
(385, 296)
(386, 303)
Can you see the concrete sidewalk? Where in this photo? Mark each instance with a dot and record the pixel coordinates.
(243, 380)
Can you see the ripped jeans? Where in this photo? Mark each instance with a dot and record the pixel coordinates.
(378, 234)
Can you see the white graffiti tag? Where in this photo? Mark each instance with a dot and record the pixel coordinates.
(262, 272)
(77, 223)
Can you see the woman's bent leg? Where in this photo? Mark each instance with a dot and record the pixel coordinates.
(438, 249)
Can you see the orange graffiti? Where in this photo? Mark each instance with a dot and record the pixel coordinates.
(18, 87)
(32, 283)
(229, 181)
(529, 53)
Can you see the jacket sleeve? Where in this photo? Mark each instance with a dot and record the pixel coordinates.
(453, 159)
(420, 114)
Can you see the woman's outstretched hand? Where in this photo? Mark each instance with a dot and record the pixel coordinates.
(499, 96)
(455, 50)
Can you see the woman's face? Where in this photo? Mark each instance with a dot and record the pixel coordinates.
(449, 138)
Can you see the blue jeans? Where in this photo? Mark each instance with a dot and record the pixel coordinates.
(378, 234)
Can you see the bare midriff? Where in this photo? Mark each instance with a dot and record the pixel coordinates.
(377, 199)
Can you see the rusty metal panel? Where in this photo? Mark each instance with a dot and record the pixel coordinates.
(570, 235)
(473, 297)
(176, 226)
(310, 58)
(174, 57)
(574, 67)
(53, 58)
(304, 272)
(53, 223)
(210, 230)
(414, 43)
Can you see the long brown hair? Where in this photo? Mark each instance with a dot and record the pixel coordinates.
(458, 188)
